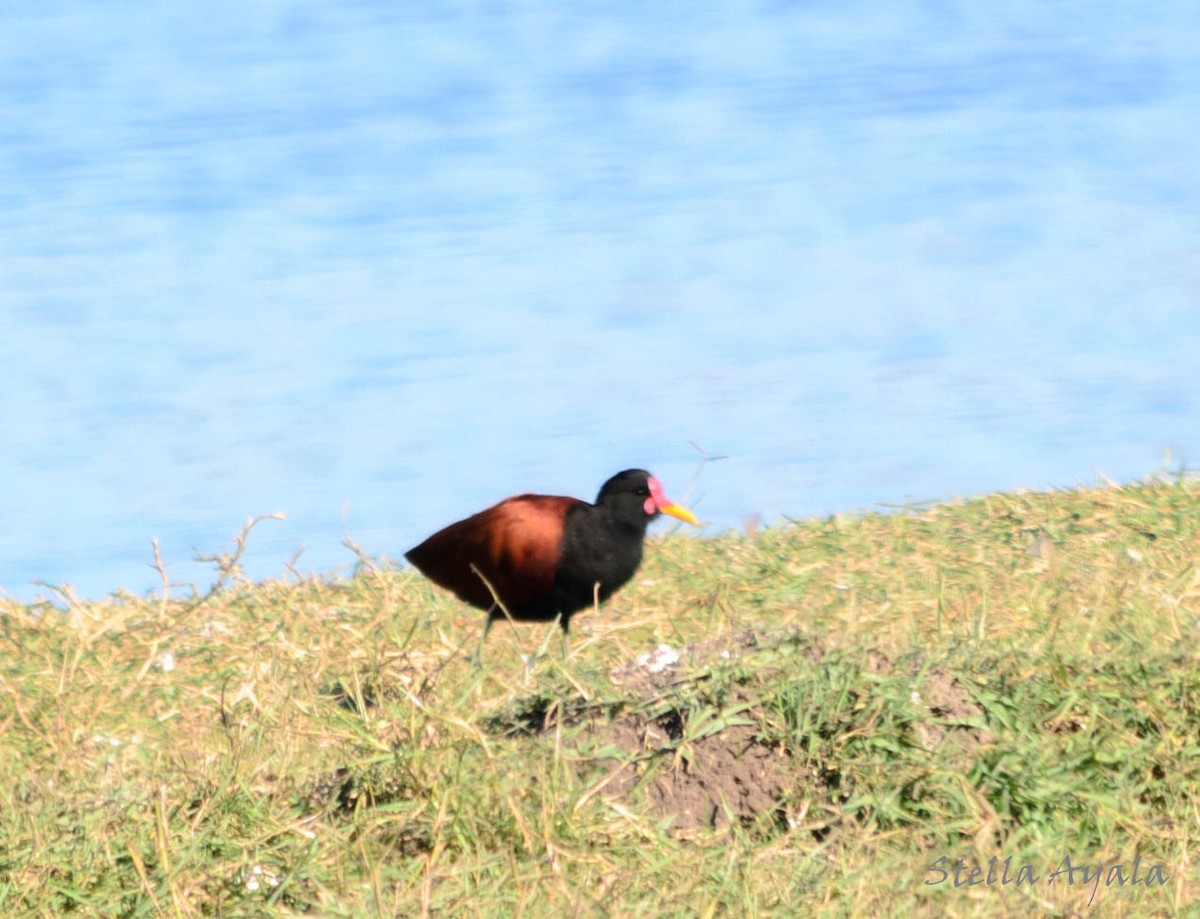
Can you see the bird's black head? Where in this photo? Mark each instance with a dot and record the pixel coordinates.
(637, 497)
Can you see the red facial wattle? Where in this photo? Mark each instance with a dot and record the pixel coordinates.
(658, 501)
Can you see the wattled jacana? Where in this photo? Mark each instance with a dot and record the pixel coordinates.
(542, 556)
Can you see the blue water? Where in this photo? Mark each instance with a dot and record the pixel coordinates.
(377, 265)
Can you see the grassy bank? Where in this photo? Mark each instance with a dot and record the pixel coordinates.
(1013, 677)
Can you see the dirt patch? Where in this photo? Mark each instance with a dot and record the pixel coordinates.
(731, 773)
(707, 783)
(954, 721)
(720, 774)
(957, 719)
(702, 783)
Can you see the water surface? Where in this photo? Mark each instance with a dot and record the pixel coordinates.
(376, 266)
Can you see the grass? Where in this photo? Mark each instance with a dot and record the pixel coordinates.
(1010, 677)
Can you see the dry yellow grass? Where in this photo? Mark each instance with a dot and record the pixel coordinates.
(1011, 676)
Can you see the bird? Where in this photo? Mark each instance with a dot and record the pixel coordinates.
(541, 558)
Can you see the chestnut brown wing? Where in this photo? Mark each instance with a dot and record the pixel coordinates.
(516, 545)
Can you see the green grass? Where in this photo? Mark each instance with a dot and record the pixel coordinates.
(1014, 676)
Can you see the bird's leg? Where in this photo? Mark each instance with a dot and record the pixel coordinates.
(477, 657)
(545, 643)
(497, 608)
